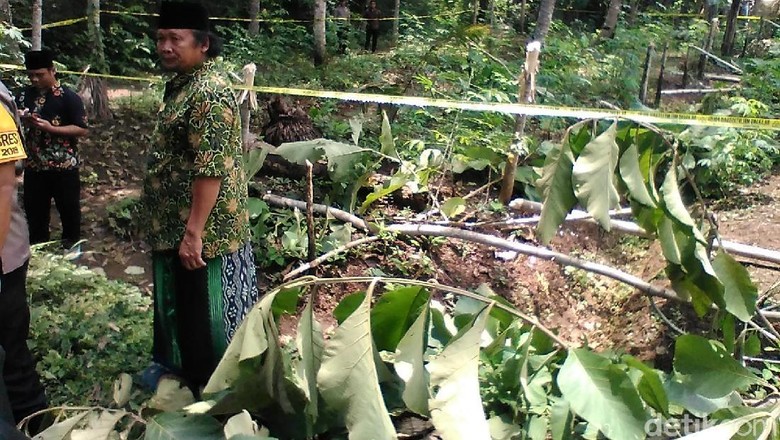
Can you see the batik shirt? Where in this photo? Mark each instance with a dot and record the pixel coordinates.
(198, 134)
(60, 106)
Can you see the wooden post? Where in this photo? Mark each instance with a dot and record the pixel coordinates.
(646, 73)
(685, 68)
(747, 39)
(661, 77)
(248, 102)
(527, 95)
(707, 48)
(312, 248)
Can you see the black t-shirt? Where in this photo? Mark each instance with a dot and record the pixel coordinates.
(60, 106)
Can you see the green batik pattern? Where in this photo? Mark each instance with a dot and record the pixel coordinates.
(198, 134)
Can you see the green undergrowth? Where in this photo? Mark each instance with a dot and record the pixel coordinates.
(85, 329)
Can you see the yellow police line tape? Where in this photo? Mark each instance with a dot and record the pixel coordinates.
(506, 108)
(67, 22)
(287, 20)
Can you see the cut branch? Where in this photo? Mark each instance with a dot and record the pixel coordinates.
(627, 227)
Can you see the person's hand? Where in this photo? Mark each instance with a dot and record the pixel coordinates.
(40, 123)
(190, 251)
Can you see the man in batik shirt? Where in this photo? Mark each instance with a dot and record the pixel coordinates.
(54, 119)
(195, 191)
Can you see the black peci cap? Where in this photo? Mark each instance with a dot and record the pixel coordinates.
(39, 59)
(183, 15)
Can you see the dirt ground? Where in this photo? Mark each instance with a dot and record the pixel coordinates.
(582, 308)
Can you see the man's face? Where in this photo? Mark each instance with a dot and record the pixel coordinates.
(41, 78)
(372, 5)
(179, 51)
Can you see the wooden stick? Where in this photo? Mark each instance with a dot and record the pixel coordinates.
(660, 86)
(646, 74)
(724, 63)
(314, 262)
(685, 69)
(320, 209)
(310, 210)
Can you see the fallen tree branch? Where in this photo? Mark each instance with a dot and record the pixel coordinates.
(627, 227)
(328, 255)
(500, 243)
(320, 209)
(539, 252)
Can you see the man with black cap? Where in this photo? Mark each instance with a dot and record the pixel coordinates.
(54, 119)
(196, 192)
(21, 392)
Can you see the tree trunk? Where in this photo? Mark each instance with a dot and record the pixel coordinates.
(5, 12)
(254, 12)
(475, 12)
(546, 9)
(526, 95)
(37, 22)
(96, 103)
(319, 32)
(523, 9)
(727, 47)
(634, 13)
(610, 21)
(396, 16)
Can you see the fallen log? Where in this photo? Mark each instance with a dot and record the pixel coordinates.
(697, 91)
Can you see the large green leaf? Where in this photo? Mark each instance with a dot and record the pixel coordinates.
(410, 364)
(634, 178)
(348, 378)
(310, 345)
(456, 405)
(668, 238)
(254, 160)
(650, 387)
(253, 364)
(709, 368)
(394, 313)
(176, 426)
(740, 293)
(340, 156)
(593, 176)
(680, 394)
(556, 189)
(675, 206)
(603, 395)
(386, 137)
(561, 420)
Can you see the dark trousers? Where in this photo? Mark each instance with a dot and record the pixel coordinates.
(181, 320)
(371, 37)
(25, 392)
(65, 188)
(342, 33)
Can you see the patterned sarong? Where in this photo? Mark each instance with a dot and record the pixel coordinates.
(196, 312)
